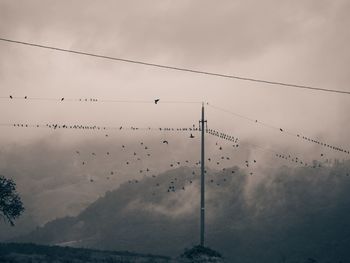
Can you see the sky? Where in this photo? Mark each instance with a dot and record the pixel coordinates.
(300, 42)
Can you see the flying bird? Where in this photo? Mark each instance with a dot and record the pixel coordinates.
(156, 101)
(25, 97)
(62, 99)
(11, 97)
(281, 130)
(191, 136)
(166, 142)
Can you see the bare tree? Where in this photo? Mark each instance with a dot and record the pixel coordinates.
(11, 206)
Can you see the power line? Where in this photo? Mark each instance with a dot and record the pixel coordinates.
(91, 127)
(282, 130)
(64, 99)
(284, 84)
(220, 135)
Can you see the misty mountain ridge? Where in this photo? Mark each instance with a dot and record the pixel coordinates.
(286, 214)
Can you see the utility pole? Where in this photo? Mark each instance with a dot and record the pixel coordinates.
(202, 208)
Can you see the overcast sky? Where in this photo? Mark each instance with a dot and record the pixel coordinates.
(301, 42)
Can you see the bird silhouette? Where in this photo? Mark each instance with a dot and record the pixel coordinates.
(62, 99)
(191, 136)
(156, 101)
(11, 97)
(166, 142)
(25, 97)
(281, 130)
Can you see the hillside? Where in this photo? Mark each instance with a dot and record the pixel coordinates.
(293, 214)
(22, 253)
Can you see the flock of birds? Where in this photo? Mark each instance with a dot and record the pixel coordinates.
(156, 101)
(220, 176)
(172, 187)
(335, 148)
(221, 161)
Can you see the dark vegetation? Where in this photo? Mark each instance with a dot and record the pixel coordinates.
(198, 251)
(23, 253)
(11, 206)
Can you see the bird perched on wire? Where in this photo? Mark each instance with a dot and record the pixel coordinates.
(156, 101)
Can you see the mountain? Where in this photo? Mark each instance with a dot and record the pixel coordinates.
(289, 215)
